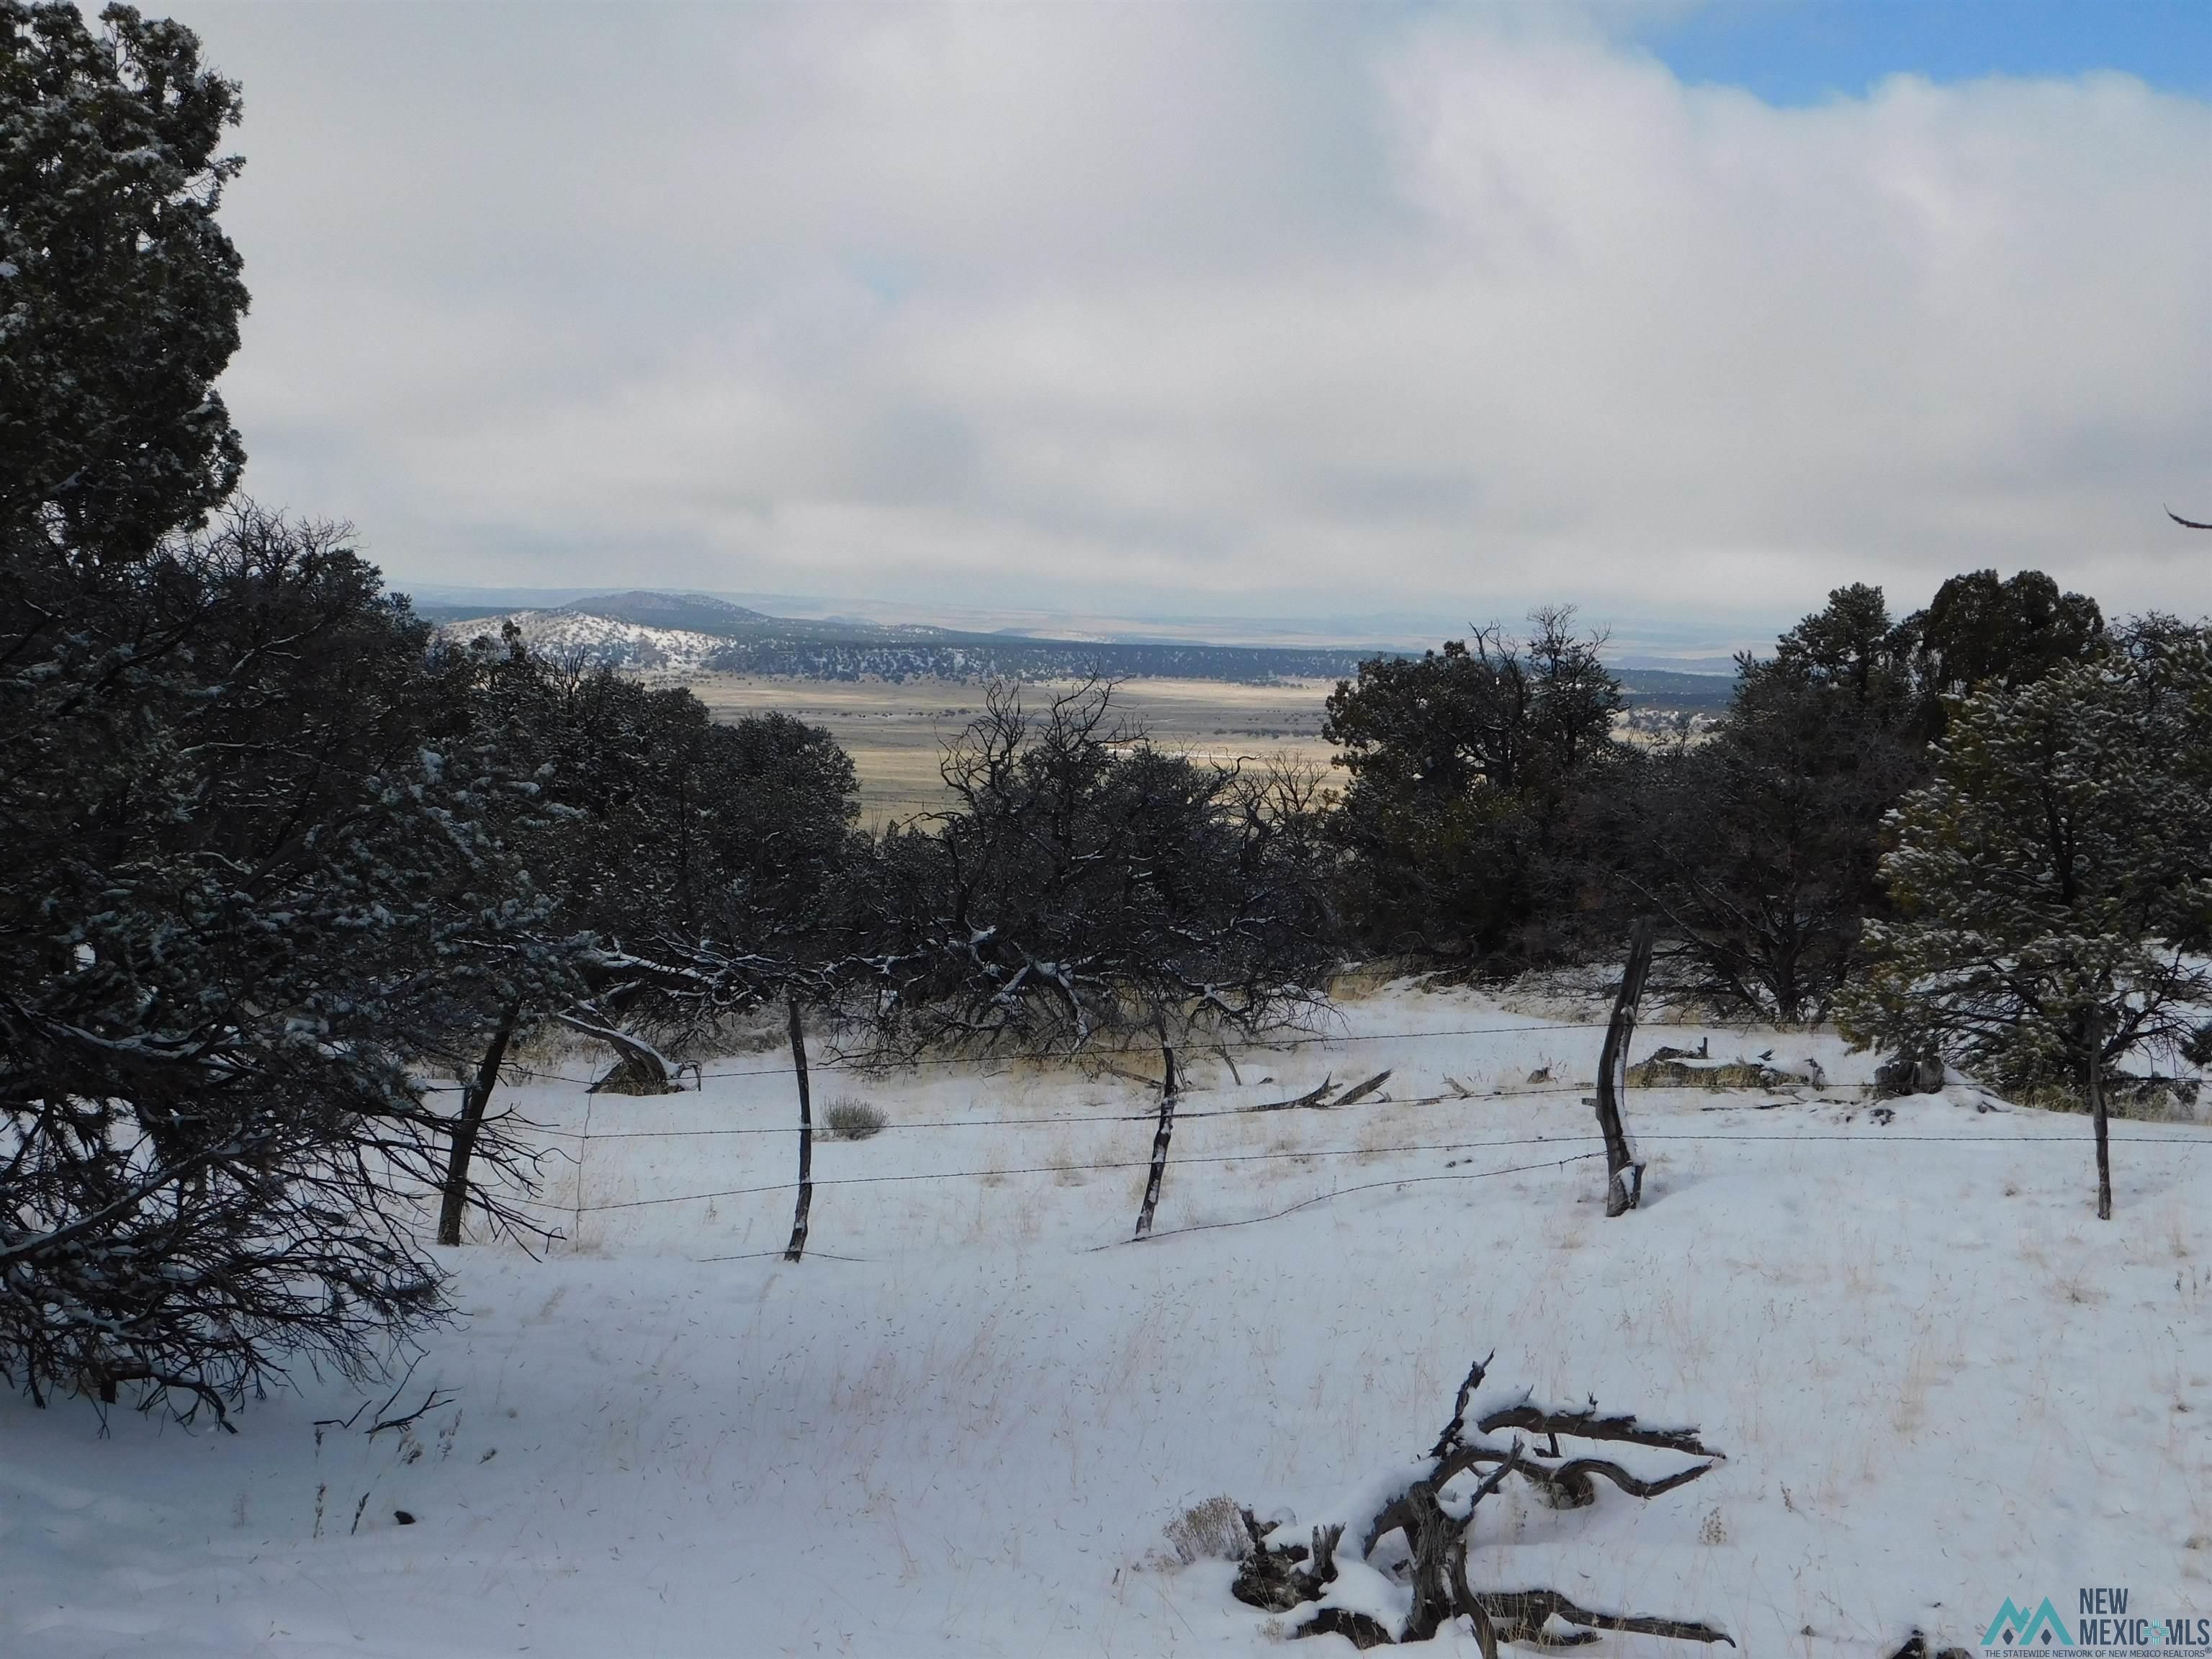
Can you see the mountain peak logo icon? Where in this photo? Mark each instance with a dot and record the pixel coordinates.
(2013, 1627)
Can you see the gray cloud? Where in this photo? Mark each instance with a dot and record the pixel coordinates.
(1283, 311)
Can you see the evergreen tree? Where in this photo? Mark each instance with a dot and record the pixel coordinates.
(255, 847)
(1980, 631)
(1759, 847)
(1470, 775)
(119, 294)
(2054, 881)
(252, 858)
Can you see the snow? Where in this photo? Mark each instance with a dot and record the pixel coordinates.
(959, 1426)
(559, 633)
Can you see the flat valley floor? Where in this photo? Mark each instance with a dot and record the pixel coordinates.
(896, 734)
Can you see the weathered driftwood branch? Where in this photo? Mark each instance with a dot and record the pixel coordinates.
(1519, 1616)
(1433, 1516)
(1359, 1092)
(1314, 1099)
(1585, 1424)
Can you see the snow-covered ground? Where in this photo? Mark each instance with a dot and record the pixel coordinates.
(559, 633)
(959, 1426)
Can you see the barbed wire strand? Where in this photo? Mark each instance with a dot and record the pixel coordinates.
(1245, 1221)
(1341, 1192)
(1870, 1139)
(1147, 1116)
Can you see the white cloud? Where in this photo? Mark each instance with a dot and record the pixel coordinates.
(1260, 308)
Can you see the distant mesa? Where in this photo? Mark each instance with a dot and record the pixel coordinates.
(685, 633)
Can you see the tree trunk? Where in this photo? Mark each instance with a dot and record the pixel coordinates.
(1623, 1186)
(464, 1127)
(2097, 1112)
(1160, 1138)
(797, 1248)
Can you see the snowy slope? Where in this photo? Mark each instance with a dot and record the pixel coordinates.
(958, 1427)
(560, 633)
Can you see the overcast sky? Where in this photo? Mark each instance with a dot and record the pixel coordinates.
(1266, 311)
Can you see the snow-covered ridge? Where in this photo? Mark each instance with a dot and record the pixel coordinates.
(599, 639)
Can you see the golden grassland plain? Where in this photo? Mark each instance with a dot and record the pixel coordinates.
(897, 733)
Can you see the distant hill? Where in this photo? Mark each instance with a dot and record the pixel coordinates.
(699, 613)
(693, 632)
(569, 633)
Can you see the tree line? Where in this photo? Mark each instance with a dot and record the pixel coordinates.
(1978, 832)
(278, 859)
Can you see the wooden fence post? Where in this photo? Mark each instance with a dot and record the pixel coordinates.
(1160, 1137)
(2097, 1111)
(1624, 1188)
(797, 1248)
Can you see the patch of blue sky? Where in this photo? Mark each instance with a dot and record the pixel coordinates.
(1806, 51)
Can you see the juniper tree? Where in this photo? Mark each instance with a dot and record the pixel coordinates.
(1757, 848)
(249, 853)
(250, 861)
(1979, 631)
(119, 294)
(1469, 771)
(2054, 881)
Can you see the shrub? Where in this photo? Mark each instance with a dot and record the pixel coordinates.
(847, 1119)
(1215, 1527)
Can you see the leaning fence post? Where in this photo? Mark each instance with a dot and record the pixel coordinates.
(797, 1248)
(1623, 1186)
(1160, 1137)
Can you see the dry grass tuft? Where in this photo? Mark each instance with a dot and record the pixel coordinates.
(1213, 1529)
(847, 1119)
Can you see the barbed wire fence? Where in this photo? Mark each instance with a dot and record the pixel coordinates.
(1571, 1147)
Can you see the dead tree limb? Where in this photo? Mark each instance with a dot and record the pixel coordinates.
(1624, 1188)
(1314, 1099)
(1519, 1616)
(1434, 1513)
(1457, 1427)
(1359, 1092)
(431, 1403)
(1583, 1423)
(639, 1067)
